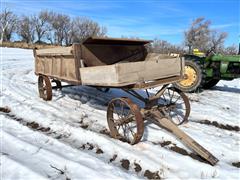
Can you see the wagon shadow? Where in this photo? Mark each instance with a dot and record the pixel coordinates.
(95, 98)
(99, 100)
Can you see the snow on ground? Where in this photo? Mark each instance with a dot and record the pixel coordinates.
(69, 150)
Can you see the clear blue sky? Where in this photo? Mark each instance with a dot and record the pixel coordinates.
(148, 19)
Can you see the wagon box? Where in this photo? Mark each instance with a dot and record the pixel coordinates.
(106, 62)
(125, 64)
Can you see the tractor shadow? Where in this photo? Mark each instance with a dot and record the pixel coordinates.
(226, 89)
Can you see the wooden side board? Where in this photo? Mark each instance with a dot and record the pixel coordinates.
(58, 62)
(54, 51)
(123, 74)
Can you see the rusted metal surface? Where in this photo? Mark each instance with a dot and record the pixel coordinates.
(125, 120)
(58, 84)
(166, 111)
(44, 88)
(168, 99)
(176, 104)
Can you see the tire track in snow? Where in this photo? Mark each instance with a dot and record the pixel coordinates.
(65, 138)
(50, 156)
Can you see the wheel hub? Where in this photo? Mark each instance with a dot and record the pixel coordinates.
(190, 76)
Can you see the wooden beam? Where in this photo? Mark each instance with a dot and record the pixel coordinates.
(186, 139)
(76, 49)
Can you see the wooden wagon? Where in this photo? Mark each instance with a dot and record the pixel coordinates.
(122, 63)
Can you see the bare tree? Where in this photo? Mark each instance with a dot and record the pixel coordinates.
(197, 36)
(69, 34)
(61, 26)
(26, 29)
(230, 50)
(164, 47)
(160, 46)
(216, 40)
(84, 28)
(41, 25)
(8, 23)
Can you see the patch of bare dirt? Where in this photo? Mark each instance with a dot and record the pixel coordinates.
(125, 163)
(163, 143)
(99, 151)
(219, 125)
(173, 147)
(151, 175)
(5, 109)
(137, 167)
(105, 131)
(236, 164)
(179, 150)
(33, 125)
(113, 158)
(90, 146)
(84, 126)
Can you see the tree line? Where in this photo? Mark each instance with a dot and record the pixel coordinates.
(48, 26)
(60, 29)
(199, 36)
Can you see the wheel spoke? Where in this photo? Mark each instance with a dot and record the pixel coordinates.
(164, 98)
(176, 105)
(177, 99)
(127, 117)
(171, 97)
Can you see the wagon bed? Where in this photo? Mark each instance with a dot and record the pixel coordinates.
(108, 62)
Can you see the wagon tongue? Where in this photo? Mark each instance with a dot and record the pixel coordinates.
(115, 41)
(187, 140)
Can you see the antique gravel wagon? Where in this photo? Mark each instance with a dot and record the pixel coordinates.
(122, 63)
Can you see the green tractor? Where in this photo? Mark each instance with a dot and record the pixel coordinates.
(204, 72)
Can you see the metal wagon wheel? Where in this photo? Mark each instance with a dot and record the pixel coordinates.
(176, 104)
(44, 88)
(58, 84)
(125, 120)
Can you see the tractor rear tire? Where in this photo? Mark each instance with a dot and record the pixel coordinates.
(193, 77)
(210, 83)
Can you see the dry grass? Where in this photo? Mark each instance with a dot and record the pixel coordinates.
(25, 45)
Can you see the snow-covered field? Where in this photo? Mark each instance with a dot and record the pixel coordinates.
(65, 138)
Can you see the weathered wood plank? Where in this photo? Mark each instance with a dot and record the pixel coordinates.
(55, 51)
(131, 73)
(77, 58)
